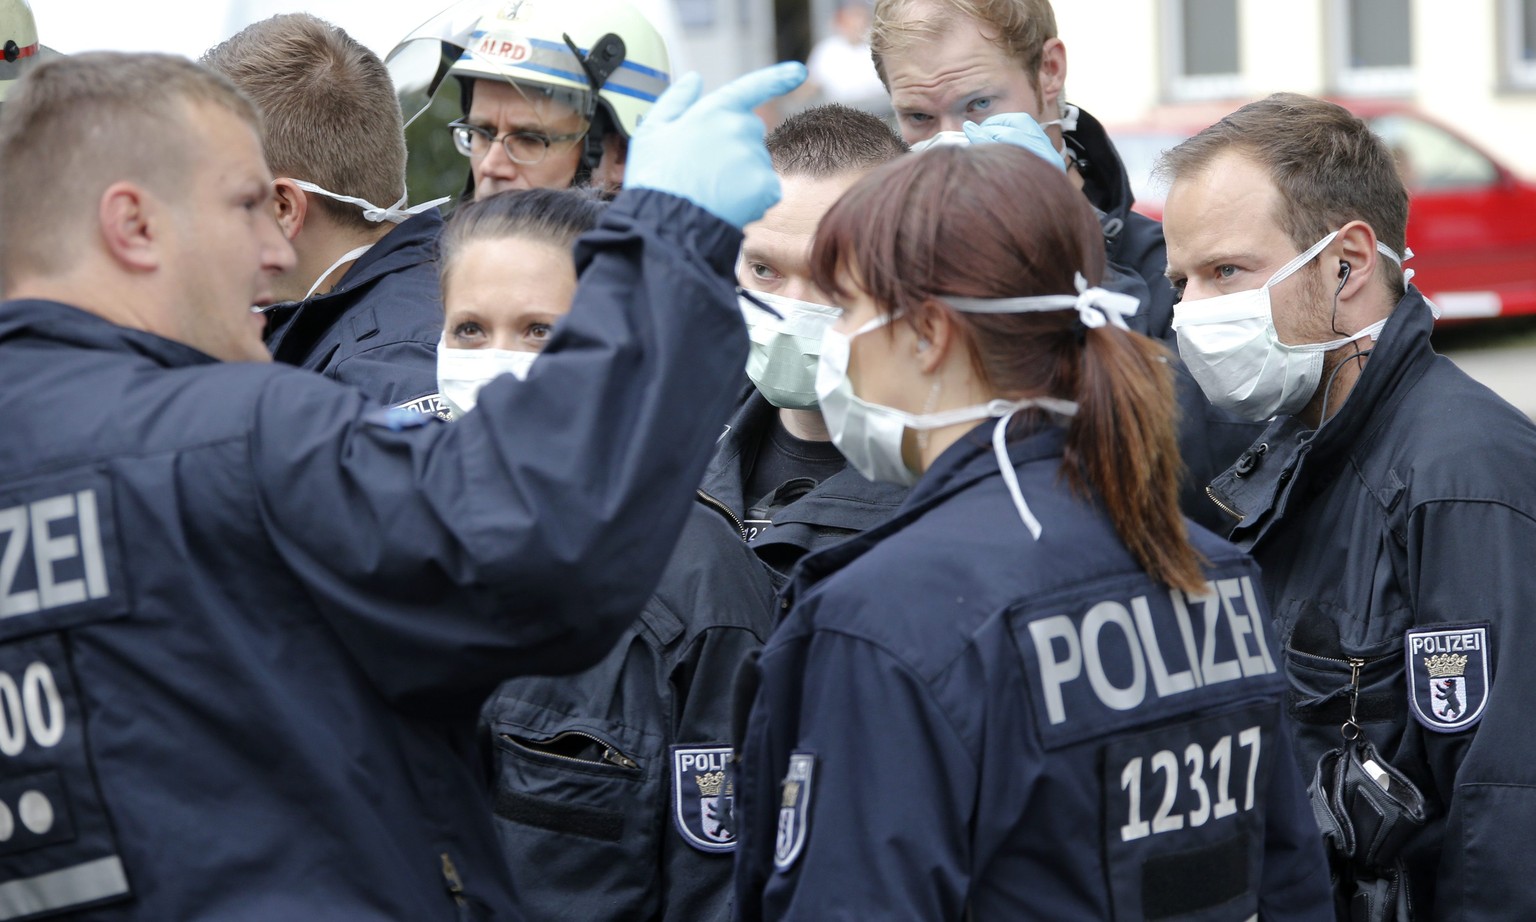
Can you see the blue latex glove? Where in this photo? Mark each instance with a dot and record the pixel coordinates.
(710, 151)
(1019, 129)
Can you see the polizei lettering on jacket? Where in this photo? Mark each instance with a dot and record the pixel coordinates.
(1106, 663)
(1445, 643)
(51, 554)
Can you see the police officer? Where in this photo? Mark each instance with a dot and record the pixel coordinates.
(776, 472)
(1036, 692)
(948, 63)
(1389, 502)
(247, 619)
(361, 303)
(610, 794)
(552, 92)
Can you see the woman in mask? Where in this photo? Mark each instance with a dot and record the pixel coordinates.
(508, 272)
(611, 797)
(1036, 692)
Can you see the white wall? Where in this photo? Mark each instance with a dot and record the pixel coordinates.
(1115, 67)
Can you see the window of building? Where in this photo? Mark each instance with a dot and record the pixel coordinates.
(1373, 46)
(1519, 28)
(1201, 49)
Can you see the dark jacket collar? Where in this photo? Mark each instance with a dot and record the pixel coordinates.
(413, 241)
(725, 478)
(1105, 182)
(968, 461)
(71, 326)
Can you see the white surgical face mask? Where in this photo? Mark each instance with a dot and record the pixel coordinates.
(461, 373)
(1231, 348)
(870, 435)
(784, 350)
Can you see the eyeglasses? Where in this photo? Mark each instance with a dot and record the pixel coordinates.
(525, 147)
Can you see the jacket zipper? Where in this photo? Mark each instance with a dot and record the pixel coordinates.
(610, 755)
(455, 882)
(1224, 507)
(724, 510)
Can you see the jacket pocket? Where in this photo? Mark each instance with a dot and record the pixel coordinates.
(1323, 662)
(576, 814)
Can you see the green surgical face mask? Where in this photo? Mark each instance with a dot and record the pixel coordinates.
(785, 350)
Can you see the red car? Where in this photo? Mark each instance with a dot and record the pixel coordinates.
(1471, 220)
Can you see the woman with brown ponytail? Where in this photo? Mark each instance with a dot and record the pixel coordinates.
(1037, 692)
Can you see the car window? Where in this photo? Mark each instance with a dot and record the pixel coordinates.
(1428, 157)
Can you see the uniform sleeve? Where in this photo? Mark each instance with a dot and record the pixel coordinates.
(697, 884)
(1471, 563)
(526, 536)
(885, 807)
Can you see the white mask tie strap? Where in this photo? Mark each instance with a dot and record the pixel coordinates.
(394, 214)
(348, 256)
(1011, 477)
(1005, 464)
(1095, 306)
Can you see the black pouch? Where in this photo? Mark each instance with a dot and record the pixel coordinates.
(1367, 810)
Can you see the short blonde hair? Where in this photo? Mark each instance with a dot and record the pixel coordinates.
(329, 106)
(78, 124)
(1019, 27)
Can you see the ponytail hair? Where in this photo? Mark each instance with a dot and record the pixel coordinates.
(995, 221)
(1123, 443)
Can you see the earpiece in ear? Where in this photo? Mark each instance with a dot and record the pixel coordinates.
(922, 345)
(1343, 277)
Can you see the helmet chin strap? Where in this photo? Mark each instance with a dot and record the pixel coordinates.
(605, 57)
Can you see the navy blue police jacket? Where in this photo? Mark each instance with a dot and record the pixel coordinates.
(253, 616)
(822, 515)
(378, 329)
(1210, 439)
(610, 786)
(958, 721)
(1399, 535)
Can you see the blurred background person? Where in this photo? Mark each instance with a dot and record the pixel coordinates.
(950, 62)
(610, 791)
(360, 304)
(775, 470)
(956, 719)
(841, 69)
(538, 113)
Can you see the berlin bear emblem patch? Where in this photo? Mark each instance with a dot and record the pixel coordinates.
(702, 797)
(794, 809)
(1448, 676)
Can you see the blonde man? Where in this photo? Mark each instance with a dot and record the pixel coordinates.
(361, 304)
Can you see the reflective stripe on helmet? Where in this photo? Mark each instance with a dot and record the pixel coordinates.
(554, 59)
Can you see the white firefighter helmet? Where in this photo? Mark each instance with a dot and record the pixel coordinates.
(528, 43)
(20, 52)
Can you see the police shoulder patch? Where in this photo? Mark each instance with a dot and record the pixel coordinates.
(429, 405)
(794, 810)
(702, 797)
(1448, 675)
(397, 419)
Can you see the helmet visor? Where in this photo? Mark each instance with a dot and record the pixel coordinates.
(420, 62)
